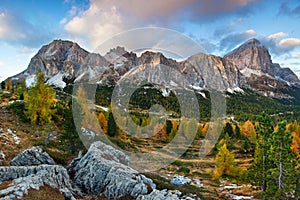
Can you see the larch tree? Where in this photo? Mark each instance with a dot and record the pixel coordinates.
(295, 131)
(39, 101)
(9, 85)
(103, 122)
(87, 116)
(225, 163)
(248, 130)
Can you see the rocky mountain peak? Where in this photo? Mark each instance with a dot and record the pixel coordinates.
(252, 58)
(154, 58)
(58, 57)
(255, 63)
(252, 55)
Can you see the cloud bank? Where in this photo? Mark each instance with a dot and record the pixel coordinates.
(104, 18)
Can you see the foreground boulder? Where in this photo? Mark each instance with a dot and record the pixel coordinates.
(104, 170)
(32, 156)
(180, 180)
(33, 177)
(161, 194)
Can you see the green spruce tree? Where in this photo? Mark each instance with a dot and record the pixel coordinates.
(112, 129)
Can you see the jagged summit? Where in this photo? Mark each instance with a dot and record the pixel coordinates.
(248, 65)
(59, 56)
(253, 42)
(255, 63)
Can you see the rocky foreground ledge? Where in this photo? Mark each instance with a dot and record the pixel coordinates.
(103, 170)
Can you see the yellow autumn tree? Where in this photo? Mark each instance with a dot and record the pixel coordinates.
(89, 119)
(225, 163)
(205, 128)
(248, 130)
(103, 122)
(9, 85)
(40, 100)
(295, 131)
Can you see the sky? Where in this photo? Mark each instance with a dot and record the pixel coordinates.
(217, 25)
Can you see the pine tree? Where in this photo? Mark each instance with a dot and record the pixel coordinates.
(22, 90)
(225, 163)
(39, 101)
(237, 131)
(260, 166)
(228, 129)
(282, 173)
(69, 136)
(169, 126)
(3, 85)
(112, 129)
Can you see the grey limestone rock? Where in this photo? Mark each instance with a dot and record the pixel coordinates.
(33, 177)
(32, 156)
(105, 170)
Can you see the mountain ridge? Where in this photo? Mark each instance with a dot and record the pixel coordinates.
(239, 68)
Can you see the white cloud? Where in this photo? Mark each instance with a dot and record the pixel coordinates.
(295, 55)
(105, 18)
(96, 24)
(250, 32)
(275, 36)
(234, 39)
(289, 43)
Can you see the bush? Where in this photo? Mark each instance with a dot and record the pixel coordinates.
(184, 170)
(59, 158)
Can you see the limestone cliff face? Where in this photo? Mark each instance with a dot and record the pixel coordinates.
(58, 56)
(250, 66)
(253, 58)
(261, 74)
(198, 71)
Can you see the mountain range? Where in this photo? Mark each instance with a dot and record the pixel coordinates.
(248, 66)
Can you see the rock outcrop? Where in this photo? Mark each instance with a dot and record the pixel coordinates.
(32, 156)
(198, 71)
(161, 194)
(33, 177)
(105, 170)
(253, 58)
(261, 74)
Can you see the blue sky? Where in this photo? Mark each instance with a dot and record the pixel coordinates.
(218, 25)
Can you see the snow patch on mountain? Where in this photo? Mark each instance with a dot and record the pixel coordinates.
(30, 80)
(235, 90)
(57, 80)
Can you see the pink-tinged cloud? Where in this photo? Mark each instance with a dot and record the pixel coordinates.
(105, 18)
(289, 43)
(146, 9)
(276, 36)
